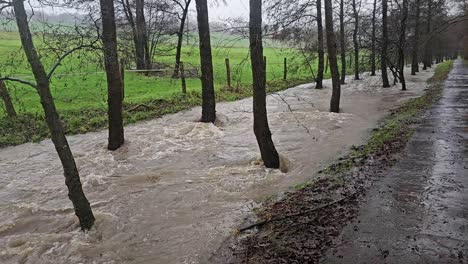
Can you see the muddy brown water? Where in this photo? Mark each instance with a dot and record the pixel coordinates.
(178, 188)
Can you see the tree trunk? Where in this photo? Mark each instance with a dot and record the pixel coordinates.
(374, 10)
(148, 58)
(131, 21)
(465, 41)
(143, 57)
(262, 132)
(415, 59)
(383, 55)
(206, 61)
(427, 47)
(401, 56)
(342, 43)
(356, 41)
(331, 48)
(5, 95)
(142, 51)
(180, 38)
(114, 79)
(321, 53)
(72, 179)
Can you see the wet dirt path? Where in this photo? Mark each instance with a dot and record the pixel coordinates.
(418, 211)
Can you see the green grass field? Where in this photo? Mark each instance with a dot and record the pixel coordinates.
(80, 85)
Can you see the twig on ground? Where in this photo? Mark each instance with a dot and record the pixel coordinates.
(139, 106)
(262, 223)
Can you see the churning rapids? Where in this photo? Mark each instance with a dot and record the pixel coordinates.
(178, 188)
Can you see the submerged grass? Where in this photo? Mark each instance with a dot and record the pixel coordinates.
(397, 127)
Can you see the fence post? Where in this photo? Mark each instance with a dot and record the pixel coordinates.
(122, 76)
(285, 75)
(182, 77)
(228, 72)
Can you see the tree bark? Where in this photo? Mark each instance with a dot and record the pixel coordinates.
(331, 48)
(5, 95)
(427, 47)
(342, 43)
(383, 55)
(180, 38)
(114, 79)
(143, 57)
(356, 41)
(373, 40)
(321, 53)
(129, 15)
(465, 41)
(262, 132)
(206, 60)
(415, 56)
(401, 46)
(72, 179)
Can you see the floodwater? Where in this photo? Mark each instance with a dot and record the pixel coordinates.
(178, 188)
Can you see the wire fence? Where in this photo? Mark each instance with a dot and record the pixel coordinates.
(74, 89)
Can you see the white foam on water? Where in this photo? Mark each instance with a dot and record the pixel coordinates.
(177, 188)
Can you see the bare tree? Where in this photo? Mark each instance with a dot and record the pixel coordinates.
(262, 132)
(427, 61)
(373, 38)
(137, 23)
(356, 40)
(401, 46)
(465, 40)
(342, 43)
(184, 8)
(5, 95)
(114, 78)
(72, 179)
(144, 59)
(331, 48)
(206, 61)
(383, 54)
(415, 50)
(321, 53)
(161, 24)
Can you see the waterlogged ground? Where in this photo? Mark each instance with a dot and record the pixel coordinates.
(178, 188)
(418, 211)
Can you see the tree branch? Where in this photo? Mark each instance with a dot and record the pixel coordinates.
(13, 79)
(262, 223)
(66, 54)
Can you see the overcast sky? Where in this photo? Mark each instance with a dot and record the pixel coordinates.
(217, 12)
(233, 8)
